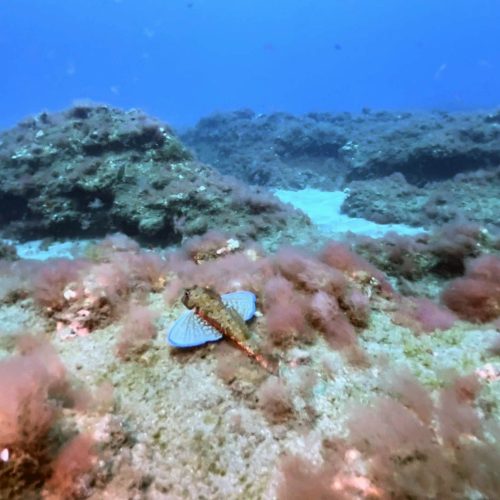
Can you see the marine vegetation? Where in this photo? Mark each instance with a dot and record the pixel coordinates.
(371, 394)
(178, 334)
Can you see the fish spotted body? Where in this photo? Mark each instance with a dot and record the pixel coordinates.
(208, 305)
(212, 317)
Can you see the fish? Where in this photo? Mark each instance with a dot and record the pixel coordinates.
(211, 317)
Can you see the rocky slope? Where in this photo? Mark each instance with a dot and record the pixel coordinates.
(324, 149)
(92, 170)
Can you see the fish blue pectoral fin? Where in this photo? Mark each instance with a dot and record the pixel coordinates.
(243, 302)
(190, 331)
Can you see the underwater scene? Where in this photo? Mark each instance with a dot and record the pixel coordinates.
(250, 250)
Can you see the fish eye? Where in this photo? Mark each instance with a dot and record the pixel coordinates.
(188, 297)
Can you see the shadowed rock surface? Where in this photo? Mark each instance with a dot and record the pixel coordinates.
(92, 170)
(474, 196)
(324, 150)
(414, 168)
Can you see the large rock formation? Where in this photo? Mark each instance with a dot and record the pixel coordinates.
(93, 170)
(324, 150)
(474, 196)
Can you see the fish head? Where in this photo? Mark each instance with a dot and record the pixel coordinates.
(187, 298)
(196, 296)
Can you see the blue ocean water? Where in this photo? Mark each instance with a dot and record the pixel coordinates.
(125, 249)
(181, 59)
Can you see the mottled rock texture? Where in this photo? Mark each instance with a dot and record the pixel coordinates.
(474, 196)
(324, 150)
(416, 168)
(93, 170)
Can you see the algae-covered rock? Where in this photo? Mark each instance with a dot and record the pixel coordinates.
(472, 195)
(324, 150)
(93, 169)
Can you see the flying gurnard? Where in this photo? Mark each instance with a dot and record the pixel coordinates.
(212, 316)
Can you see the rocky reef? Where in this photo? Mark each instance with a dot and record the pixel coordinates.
(92, 170)
(325, 149)
(382, 355)
(472, 195)
(415, 168)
